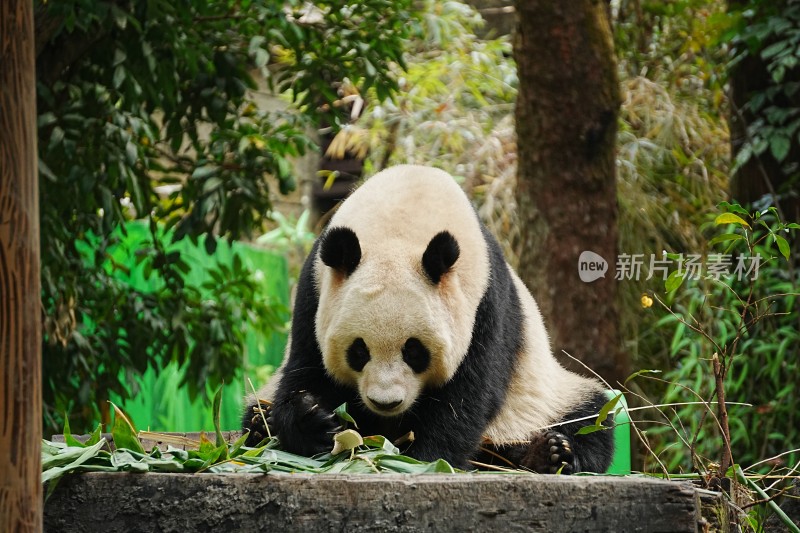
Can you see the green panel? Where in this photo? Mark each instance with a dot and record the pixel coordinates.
(621, 463)
(161, 404)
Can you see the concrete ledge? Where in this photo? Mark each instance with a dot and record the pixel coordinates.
(380, 503)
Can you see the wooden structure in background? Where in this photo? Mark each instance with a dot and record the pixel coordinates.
(20, 294)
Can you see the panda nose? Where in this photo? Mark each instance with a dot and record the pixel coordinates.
(386, 406)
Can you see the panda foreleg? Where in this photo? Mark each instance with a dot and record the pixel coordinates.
(561, 449)
(303, 423)
(593, 451)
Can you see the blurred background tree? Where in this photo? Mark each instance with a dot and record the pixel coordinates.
(566, 118)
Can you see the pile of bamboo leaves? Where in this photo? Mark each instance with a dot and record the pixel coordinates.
(352, 454)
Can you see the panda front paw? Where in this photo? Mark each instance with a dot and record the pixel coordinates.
(303, 425)
(256, 422)
(550, 453)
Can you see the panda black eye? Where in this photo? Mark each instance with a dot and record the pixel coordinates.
(416, 355)
(358, 355)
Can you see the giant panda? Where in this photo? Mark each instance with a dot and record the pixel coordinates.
(407, 310)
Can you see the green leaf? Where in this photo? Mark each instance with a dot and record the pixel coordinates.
(735, 208)
(440, 466)
(72, 459)
(217, 405)
(119, 76)
(783, 246)
(585, 430)
(730, 218)
(211, 184)
(57, 136)
(96, 435)
(131, 153)
(119, 57)
(261, 58)
(120, 17)
(68, 438)
(123, 431)
(45, 119)
(205, 171)
(674, 280)
(779, 146)
(343, 415)
(601, 416)
(381, 443)
(640, 373)
(607, 408)
(725, 238)
(774, 49)
(125, 461)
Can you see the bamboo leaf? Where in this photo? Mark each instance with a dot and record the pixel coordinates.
(641, 372)
(607, 408)
(123, 431)
(343, 415)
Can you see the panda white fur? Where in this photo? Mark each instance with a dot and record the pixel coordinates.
(407, 310)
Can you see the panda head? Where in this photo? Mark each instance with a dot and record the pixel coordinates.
(385, 321)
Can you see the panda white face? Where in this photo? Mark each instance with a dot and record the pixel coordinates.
(384, 337)
(400, 273)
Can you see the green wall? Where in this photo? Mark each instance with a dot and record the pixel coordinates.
(161, 404)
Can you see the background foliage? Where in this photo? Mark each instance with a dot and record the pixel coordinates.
(455, 111)
(767, 32)
(747, 320)
(675, 164)
(146, 111)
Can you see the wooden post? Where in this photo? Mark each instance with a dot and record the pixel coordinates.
(20, 294)
(384, 503)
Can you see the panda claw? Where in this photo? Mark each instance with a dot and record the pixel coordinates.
(306, 426)
(550, 453)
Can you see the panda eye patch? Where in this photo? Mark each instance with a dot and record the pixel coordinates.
(416, 355)
(358, 355)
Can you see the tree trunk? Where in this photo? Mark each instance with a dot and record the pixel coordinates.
(20, 294)
(566, 125)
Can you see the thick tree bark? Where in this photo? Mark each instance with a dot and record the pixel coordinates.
(566, 126)
(20, 295)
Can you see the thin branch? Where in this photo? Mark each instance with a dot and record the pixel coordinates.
(719, 373)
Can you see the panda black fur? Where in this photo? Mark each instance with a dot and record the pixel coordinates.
(407, 310)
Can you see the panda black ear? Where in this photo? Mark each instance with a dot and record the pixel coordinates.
(340, 250)
(440, 256)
